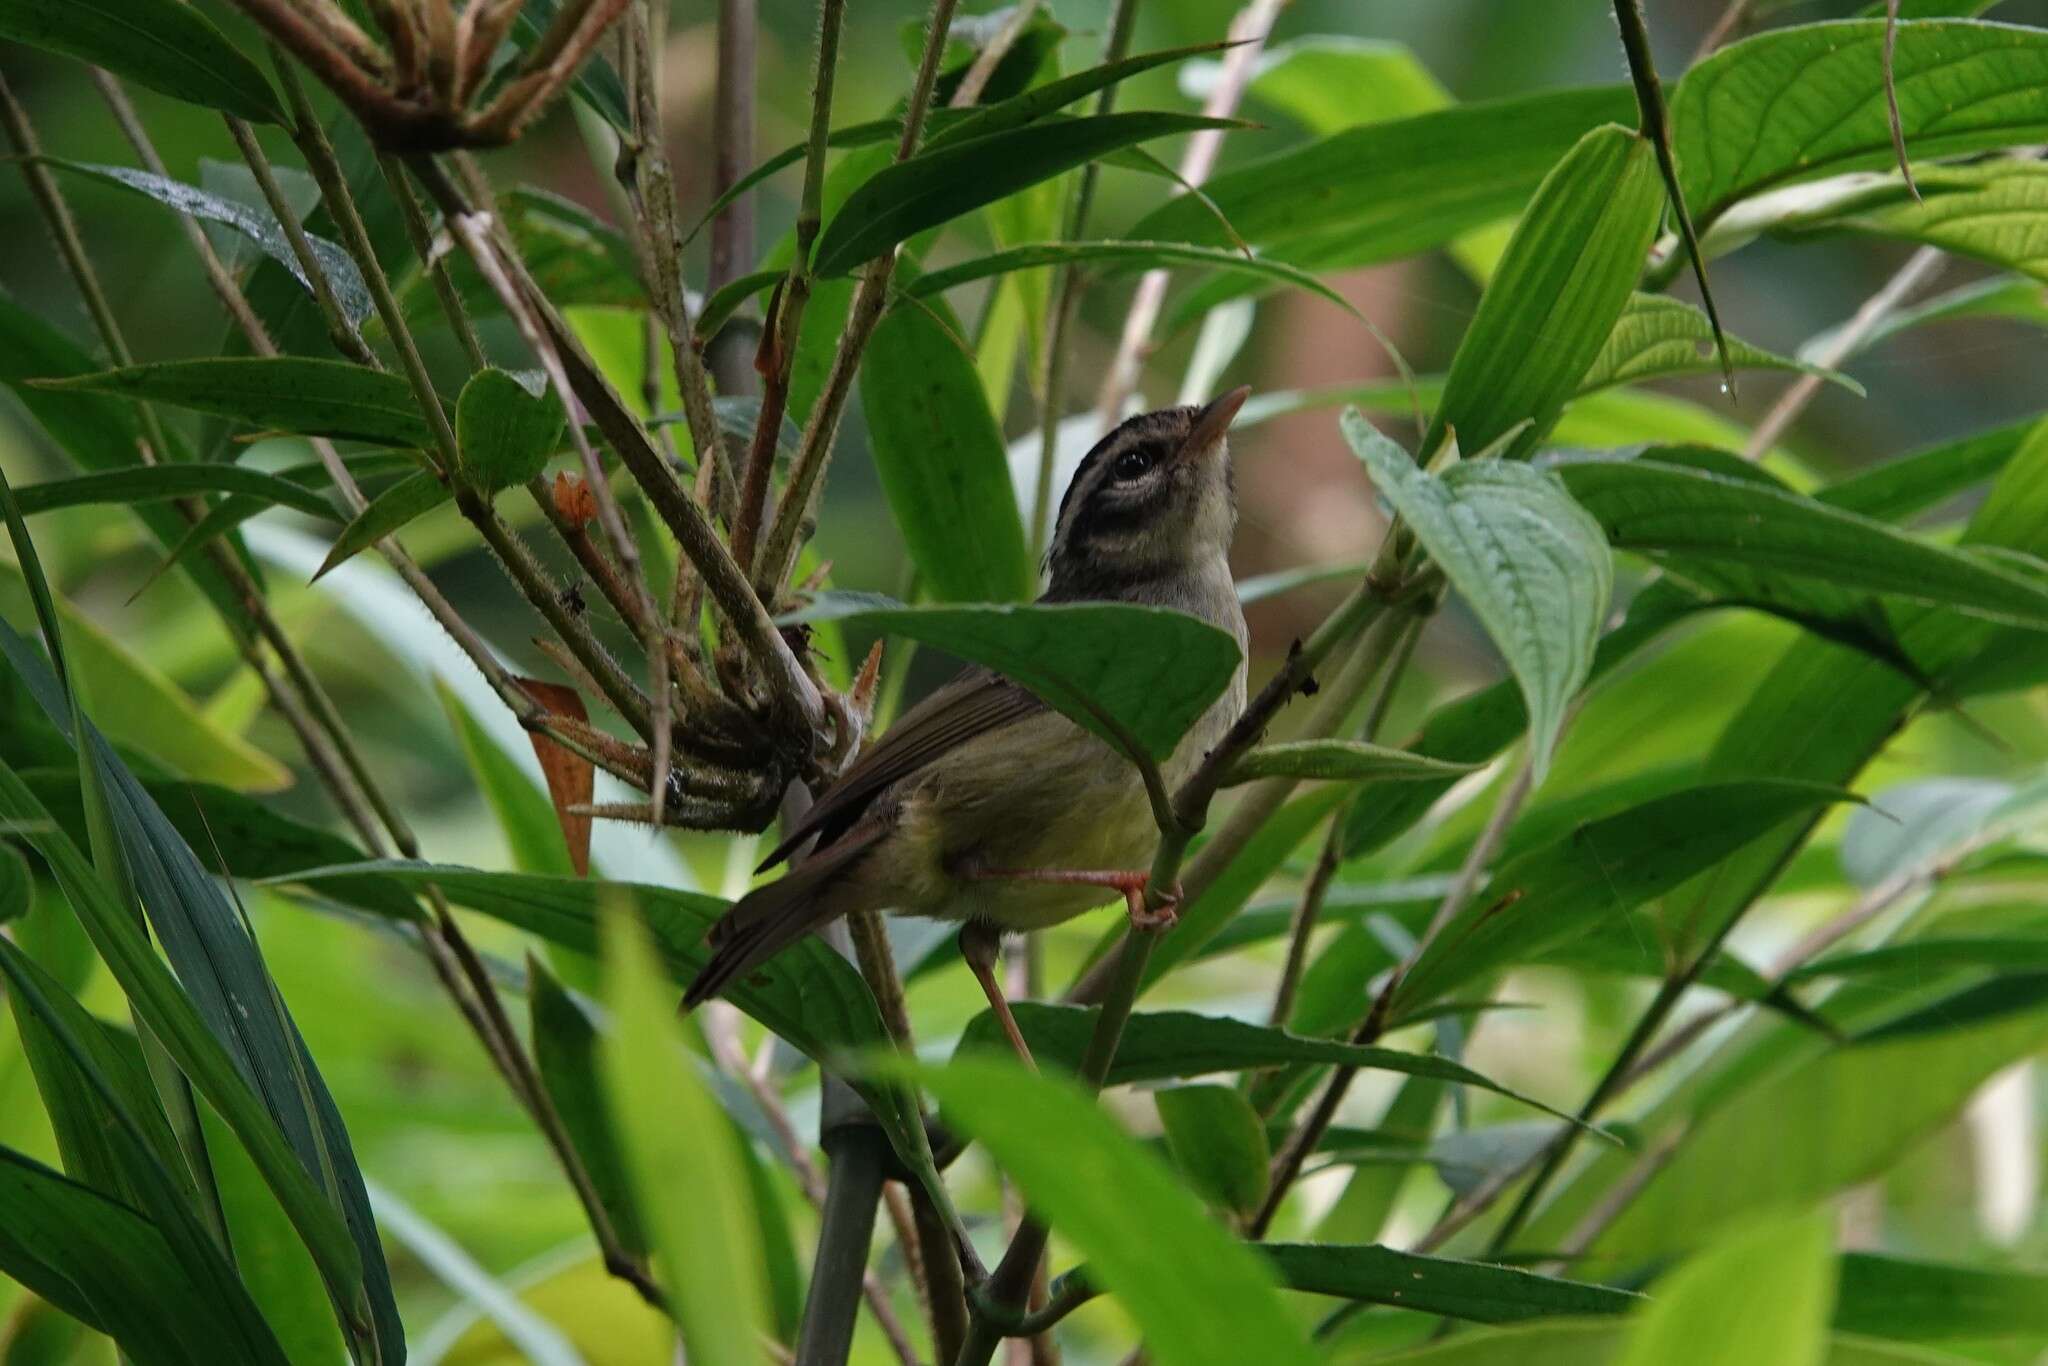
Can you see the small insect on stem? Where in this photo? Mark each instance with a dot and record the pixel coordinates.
(572, 598)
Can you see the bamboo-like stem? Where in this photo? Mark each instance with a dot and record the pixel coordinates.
(1066, 293)
(421, 234)
(807, 471)
(1248, 31)
(785, 315)
(732, 141)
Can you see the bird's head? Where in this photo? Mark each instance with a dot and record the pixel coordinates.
(1153, 498)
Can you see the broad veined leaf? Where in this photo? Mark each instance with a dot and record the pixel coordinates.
(1808, 101)
(1996, 212)
(682, 1158)
(506, 428)
(388, 513)
(1567, 274)
(940, 457)
(1167, 1044)
(1678, 514)
(942, 183)
(1122, 256)
(163, 44)
(1478, 1292)
(157, 483)
(1782, 1272)
(287, 393)
(1657, 336)
(1345, 760)
(1601, 872)
(1219, 1308)
(1531, 563)
(1218, 1142)
(1919, 1301)
(1150, 671)
(260, 226)
(1380, 191)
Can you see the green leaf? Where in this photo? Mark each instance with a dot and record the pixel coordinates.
(1600, 872)
(145, 710)
(285, 393)
(1219, 1306)
(1781, 1273)
(1916, 1301)
(942, 183)
(162, 44)
(808, 994)
(1327, 82)
(1530, 562)
(1218, 1143)
(403, 503)
(1578, 1344)
(17, 885)
(1123, 256)
(107, 1266)
(1567, 275)
(683, 1160)
(1151, 671)
(1174, 1044)
(504, 430)
(1657, 337)
(1806, 1131)
(1384, 190)
(566, 1050)
(596, 82)
(1913, 483)
(1681, 516)
(1344, 760)
(157, 483)
(1991, 212)
(1803, 102)
(940, 456)
(1927, 957)
(1477, 1292)
(260, 226)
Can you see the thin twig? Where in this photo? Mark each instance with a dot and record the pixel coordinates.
(1248, 31)
(1922, 266)
(1891, 97)
(968, 93)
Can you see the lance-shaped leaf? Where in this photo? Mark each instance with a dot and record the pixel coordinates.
(940, 456)
(1531, 563)
(1657, 337)
(1219, 1308)
(1176, 1044)
(156, 483)
(1679, 514)
(942, 183)
(1344, 760)
(1218, 1142)
(1784, 1272)
(1478, 1292)
(285, 393)
(1554, 301)
(1598, 874)
(1380, 191)
(1808, 101)
(389, 512)
(258, 225)
(163, 44)
(1919, 1301)
(1145, 671)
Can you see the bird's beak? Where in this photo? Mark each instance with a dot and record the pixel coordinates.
(1213, 421)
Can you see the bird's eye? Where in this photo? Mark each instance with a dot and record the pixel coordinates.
(1133, 463)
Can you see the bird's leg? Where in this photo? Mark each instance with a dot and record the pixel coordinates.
(1132, 882)
(981, 944)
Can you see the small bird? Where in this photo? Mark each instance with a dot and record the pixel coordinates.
(984, 805)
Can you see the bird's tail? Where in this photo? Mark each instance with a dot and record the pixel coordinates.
(769, 919)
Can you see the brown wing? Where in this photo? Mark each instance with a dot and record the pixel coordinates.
(975, 703)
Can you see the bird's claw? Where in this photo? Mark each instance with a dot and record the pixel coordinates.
(1162, 917)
